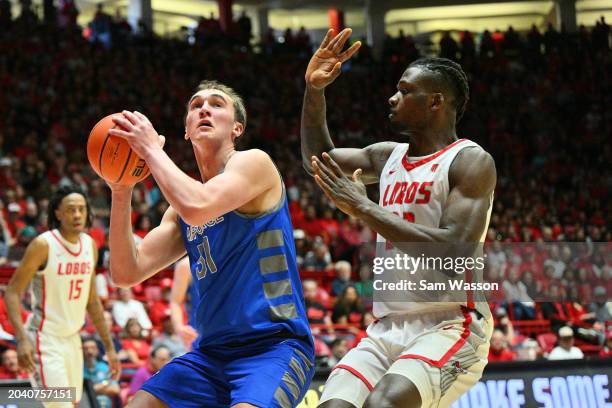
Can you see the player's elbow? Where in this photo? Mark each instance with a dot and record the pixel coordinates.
(122, 279)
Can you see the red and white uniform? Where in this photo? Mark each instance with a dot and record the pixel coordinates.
(442, 347)
(416, 189)
(60, 293)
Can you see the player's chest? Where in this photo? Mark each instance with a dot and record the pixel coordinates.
(418, 187)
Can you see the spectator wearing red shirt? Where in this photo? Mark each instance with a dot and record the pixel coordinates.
(311, 224)
(10, 366)
(6, 330)
(499, 348)
(134, 343)
(161, 307)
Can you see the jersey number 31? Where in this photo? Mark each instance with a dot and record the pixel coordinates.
(205, 260)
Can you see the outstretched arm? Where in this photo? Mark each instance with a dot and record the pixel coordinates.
(472, 179)
(323, 68)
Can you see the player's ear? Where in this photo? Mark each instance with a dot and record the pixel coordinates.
(238, 130)
(437, 100)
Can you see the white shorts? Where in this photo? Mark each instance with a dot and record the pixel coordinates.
(58, 363)
(442, 353)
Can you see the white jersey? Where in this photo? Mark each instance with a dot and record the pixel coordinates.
(60, 291)
(416, 189)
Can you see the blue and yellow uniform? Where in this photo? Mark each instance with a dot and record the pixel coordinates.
(254, 342)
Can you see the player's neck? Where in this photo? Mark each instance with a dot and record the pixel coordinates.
(212, 162)
(430, 142)
(72, 237)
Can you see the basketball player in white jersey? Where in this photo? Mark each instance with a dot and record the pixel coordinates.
(434, 188)
(60, 264)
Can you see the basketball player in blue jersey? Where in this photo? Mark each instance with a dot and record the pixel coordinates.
(254, 347)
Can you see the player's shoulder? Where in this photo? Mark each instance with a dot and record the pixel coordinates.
(252, 160)
(381, 148)
(251, 155)
(38, 248)
(475, 166)
(41, 242)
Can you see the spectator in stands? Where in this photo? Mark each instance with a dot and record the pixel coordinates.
(601, 307)
(348, 307)
(316, 312)
(97, 371)
(343, 277)
(10, 366)
(121, 354)
(127, 308)
(319, 259)
(6, 330)
(533, 287)
(158, 358)
(143, 225)
(566, 349)
(6, 240)
(169, 339)
(606, 351)
(517, 297)
(504, 324)
(365, 286)
(499, 351)
(299, 238)
(134, 343)
(161, 307)
(339, 348)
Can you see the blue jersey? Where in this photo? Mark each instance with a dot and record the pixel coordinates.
(245, 273)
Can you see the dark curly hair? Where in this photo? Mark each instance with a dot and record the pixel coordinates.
(56, 200)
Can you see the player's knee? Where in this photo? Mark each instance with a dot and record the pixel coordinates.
(394, 392)
(336, 403)
(380, 400)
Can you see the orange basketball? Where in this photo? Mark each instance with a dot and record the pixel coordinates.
(112, 157)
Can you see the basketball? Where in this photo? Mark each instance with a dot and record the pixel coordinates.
(112, 158)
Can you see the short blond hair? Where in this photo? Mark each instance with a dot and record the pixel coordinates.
(238, 103)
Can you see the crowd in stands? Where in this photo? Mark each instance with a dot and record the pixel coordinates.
(538, 103)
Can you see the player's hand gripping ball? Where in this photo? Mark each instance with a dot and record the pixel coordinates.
(112, 158)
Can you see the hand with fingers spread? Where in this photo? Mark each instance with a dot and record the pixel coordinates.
(324, 66)
(347, 194)
(138, 131)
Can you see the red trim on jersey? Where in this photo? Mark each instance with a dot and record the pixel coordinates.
(42, 318)
(42, 374)
(409, 166)
(456, 347)
(356, 374)
(66, 248)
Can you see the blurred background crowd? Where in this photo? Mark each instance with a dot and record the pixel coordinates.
(539, 103)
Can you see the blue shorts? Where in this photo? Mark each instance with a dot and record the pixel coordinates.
(276, 375)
